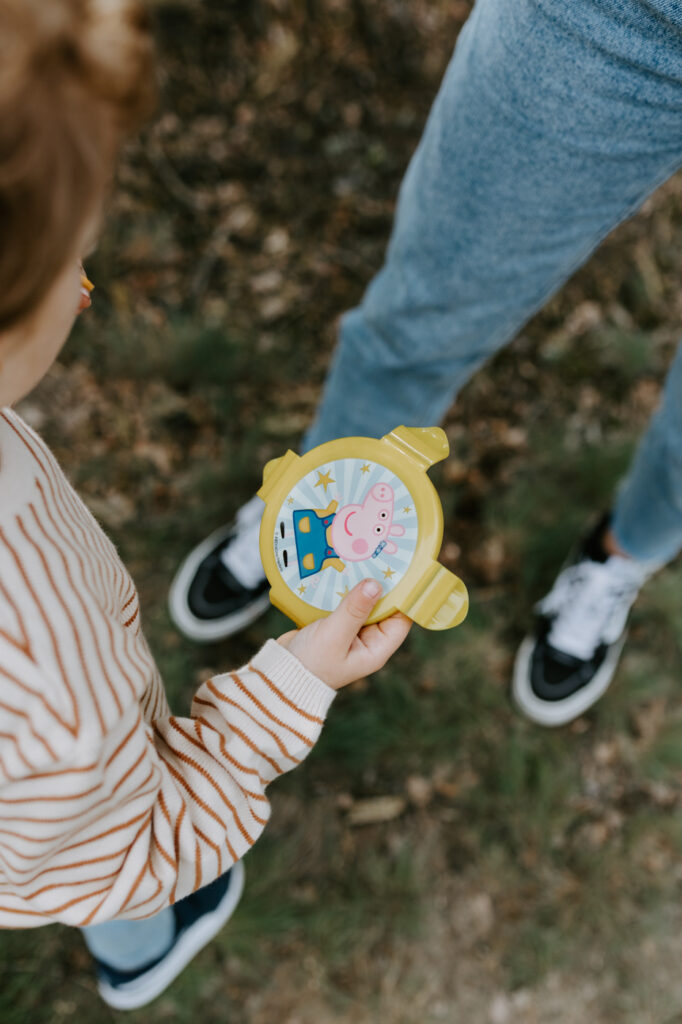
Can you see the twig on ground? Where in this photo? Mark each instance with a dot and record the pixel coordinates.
(170, 178)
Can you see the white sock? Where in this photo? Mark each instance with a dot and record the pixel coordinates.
(242, 556)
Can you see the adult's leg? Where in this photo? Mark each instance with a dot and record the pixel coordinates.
(553, 123)
(647, 518)
(569, 660)
(554, 120)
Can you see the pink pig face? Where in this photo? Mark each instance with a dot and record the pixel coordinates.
(358, 529)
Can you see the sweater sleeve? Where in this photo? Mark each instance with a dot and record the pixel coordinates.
(96, 829)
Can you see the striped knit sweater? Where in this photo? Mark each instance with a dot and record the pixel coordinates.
(109, 805)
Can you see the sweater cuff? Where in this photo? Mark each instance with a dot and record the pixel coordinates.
(300, 686)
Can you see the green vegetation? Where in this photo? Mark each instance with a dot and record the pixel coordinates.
(529, 869)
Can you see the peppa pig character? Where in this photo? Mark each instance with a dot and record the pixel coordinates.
(352, 533)
(313, 547)
(363, 531)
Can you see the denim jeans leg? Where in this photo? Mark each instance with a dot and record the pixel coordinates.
(647, 518)
(129, 945)
(553, 122)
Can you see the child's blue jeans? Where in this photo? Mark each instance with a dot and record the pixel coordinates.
(556, 118)
(129, 945)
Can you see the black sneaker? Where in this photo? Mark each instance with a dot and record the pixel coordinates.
(198, 918)
(569, 661)
(221, 588)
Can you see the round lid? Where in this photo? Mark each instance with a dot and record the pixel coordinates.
(348, 510)
(343, 521)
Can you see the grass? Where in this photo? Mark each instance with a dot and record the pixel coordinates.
(440, 708)
(164, 409)
(529, 815)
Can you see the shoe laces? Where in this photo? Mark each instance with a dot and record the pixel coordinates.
(589, 604)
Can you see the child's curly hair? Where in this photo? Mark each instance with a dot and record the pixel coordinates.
(75, 76)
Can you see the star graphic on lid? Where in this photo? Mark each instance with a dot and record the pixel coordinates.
(290, 501)
(342, 593)
(407, 509)
(324, 480)
(388, 572)
(301, 589)
(365, 468)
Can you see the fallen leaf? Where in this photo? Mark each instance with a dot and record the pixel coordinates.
(419, 790)
(376, 809)
(114, 510)
(648, 719)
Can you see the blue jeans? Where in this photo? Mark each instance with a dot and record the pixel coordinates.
(129, 945)
(555, 119)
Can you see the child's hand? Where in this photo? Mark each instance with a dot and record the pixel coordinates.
(340, 649)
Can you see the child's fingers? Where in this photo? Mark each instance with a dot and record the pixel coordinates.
(343, 625)
(376, 643)
(393, 631)
(341, 648)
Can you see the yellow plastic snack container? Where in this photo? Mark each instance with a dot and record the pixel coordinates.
(357, 508)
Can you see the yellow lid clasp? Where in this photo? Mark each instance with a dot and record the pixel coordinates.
(424, 445)
(441, 600)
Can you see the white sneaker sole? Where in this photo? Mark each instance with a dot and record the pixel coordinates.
(141, 991)
(199, 629)
(560, 712)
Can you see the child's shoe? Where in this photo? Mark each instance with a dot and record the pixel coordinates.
(198, 917)
(221, 588)
(567, 664)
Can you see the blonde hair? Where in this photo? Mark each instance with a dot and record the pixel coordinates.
(75, 77)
